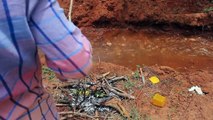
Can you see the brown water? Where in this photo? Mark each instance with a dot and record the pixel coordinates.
(150, 48)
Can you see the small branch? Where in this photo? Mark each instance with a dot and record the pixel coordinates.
(70, 10)
(123, 94)
(118, 91)
(117, 79)
(71, 114)
(75, 114)
(61, 101)
(61, 105)
(105, 118)
(103, 75)
(112, 77)
(142, 76)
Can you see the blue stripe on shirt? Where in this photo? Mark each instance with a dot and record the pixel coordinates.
(73, 71)
(56, 14)
(51, 105)
(60, 38)
(50, 108)
(32, 110)
(11, 97)
(12, 34)
(54, 45)
(18, 100)
(47, 20)
(68, 55)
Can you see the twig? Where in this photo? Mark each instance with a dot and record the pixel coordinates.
(105, 118)
(61, 101)
(75, 114)
(117, 79)
(61, 105)
(99, 59)
(71, 114)
(68, 84)
(142, 76)
(65, 118)
(123, 94)
(112, 77)
(96, 115)
(103, 75)
(70, 10)
(118, 91)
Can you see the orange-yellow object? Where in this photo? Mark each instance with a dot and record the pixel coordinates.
(154, 80)
(158, 100)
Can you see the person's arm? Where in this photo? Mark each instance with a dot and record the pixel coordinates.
(67, 50)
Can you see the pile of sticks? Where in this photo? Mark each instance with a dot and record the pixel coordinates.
(102, 82)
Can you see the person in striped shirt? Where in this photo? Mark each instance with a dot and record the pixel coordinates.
(26, 25)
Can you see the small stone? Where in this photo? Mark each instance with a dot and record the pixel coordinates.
(123, 45)
(109, 44)
(192, 39)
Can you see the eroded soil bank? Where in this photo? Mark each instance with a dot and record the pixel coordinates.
(136, 12)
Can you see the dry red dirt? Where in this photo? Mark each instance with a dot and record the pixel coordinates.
(121, 12)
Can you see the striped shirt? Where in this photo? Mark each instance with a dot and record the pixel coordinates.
(26, 25)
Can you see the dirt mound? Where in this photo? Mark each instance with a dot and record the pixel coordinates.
(123, 12)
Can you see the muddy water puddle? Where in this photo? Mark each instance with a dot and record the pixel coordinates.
(129, 49)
